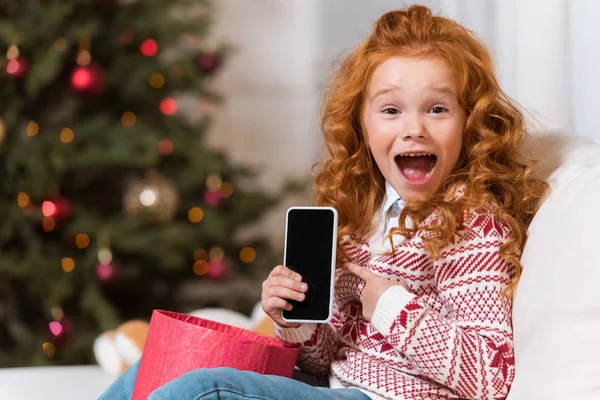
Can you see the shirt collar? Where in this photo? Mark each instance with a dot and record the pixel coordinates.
(390, 198)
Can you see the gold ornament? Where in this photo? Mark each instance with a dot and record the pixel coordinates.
(153, 195)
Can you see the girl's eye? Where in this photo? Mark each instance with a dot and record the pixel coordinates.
(390, 110)
(438, 109)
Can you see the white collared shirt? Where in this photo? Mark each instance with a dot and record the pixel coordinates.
(387, 219)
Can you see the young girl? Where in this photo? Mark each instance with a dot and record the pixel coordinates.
(433, 202)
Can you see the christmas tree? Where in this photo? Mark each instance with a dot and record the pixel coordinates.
(111, 203)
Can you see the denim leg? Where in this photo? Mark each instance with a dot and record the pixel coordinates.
(122, 388)
(232, 384)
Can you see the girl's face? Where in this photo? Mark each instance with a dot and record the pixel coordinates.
(414, 124)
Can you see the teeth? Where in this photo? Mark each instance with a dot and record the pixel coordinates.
(416, 154)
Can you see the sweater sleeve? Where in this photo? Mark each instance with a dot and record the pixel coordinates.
(318, 345)
(468, 346)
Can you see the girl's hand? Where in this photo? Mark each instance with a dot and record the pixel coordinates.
(281, 284)
(375, 286)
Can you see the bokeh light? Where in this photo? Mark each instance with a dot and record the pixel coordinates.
(23, 199)
(48, 224)
(84, 58)
(213, 182)
(148, 197)
(66, 135)
(32, 128)
(128, 118)
(67, 264)
(82, 240)
(57, 313)
(165, 146)
(195, 214)
(200, 267)
(216, 254)
(157, 80)
(247, 255)
(168, 106)
(105, 256)
(149, 47)
(12, 52)
(226, 190)
(200, 254)
(48, 208)
(49, 349)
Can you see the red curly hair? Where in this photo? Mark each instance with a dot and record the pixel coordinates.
(489, 169)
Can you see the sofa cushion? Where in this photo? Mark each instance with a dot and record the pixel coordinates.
(556, 313)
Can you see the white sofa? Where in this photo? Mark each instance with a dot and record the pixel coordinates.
(557, 306)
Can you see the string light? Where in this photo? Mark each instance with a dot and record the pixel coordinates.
(48, 208)
(12, 52)
(104, 256)
(226, 190)
(23, 199)
(82, 240)
(149, 47)
(247, 255)
(128, 118)
(195, 214)
(200, 254)
(213, 182)
(165, 146)
(66, 135)
(84, 58)
(48, 224)
(49, 349)
(148, 197)
(200, 267)
(57, 313)
(157, 80)
(67, 264)
(216, 254)
(32, 128)
(168, 106)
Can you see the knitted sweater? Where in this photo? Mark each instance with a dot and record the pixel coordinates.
(449, 337)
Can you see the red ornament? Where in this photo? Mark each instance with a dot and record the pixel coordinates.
(218, 269)
(149, 47)
(208, 62)
(212, 198)
(60, 331)
(168, 106)
(59, 208)
(17, 67)
(88, 79)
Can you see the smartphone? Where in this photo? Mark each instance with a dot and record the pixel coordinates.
(310, 250)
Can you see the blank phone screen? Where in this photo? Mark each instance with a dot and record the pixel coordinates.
(309, 249)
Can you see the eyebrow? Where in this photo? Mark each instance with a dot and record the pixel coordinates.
(445, 90)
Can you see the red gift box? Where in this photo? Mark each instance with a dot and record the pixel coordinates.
(179, 343)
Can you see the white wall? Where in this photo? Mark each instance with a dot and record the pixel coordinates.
(272, 94)
(546, 54)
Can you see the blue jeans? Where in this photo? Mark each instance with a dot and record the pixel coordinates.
(228, 383)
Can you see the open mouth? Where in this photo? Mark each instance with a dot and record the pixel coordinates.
(416, 168)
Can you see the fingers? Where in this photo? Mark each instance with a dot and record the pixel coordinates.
(280, 270)
(359, 271)
(282, 284)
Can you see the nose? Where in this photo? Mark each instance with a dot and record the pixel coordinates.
(414, 129)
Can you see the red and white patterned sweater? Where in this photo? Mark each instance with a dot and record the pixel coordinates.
(450, 337)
